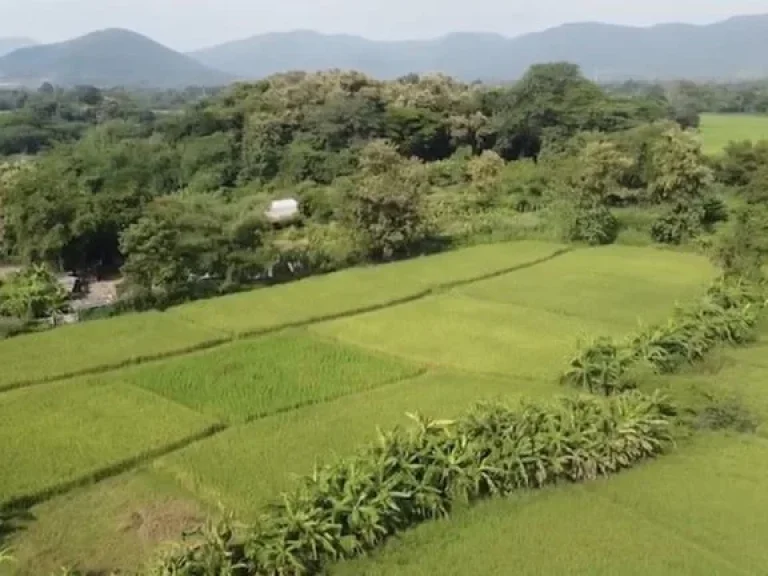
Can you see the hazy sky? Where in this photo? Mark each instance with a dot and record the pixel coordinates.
(189, 24)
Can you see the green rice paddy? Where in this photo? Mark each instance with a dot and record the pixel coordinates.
(112, 464)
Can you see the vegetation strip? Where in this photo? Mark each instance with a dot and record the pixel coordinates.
(727, 314)
(411, 476)
(33, 498)
(419, 295)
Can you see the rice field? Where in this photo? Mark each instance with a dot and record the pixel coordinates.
(256, 378)
(101, 344)
(699, 511)
(717, 130)
(453, 331)
(244, 468)
(256, 388)
(57, 434)
(321, 297)
(614, 284)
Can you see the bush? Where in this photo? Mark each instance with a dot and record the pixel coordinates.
(411, 476)
(727, 314)
(32, 293)
(599, 367)
(596, 225)
(679, 225)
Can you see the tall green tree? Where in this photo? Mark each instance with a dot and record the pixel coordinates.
(385, 207)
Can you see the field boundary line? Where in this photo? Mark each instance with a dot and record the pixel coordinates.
(431, 366)
(112, 366)
(31, 499)
(448, 286)
(228, 337)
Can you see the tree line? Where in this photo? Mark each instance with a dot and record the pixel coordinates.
(381, 170)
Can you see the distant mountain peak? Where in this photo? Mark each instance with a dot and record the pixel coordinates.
(109, 57)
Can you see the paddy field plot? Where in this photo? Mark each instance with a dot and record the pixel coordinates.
(95, 345)
(115, 524)
(253, 378)
(347, 291)
(701, 510)
(246, 467)
(615, 284)
(455, 331)
(717, 130)
(55, 434)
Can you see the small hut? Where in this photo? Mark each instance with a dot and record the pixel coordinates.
(283, 210)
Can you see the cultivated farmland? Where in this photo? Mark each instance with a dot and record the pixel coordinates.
(109, 465)
(717, 130)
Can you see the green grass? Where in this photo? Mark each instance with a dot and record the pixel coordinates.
(616, 284)
(115, 524)
(717, 130)
(699, 511)
(259, 377)
(460, 332)
(321, 297)
(246, 467)
(56, 434)
(100, 344)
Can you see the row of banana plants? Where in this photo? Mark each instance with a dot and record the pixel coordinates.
(726, 315)
(422, 472)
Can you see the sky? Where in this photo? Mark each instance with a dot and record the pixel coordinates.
(191, 24)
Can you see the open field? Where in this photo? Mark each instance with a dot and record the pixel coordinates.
(100, 344)
(119, 521)
(56, 434)
(111, 343)
(295, 397)
(359, 289)
(628, 283)
(699, 511)
(455, 331)
(717, 130)
(245, 467)
(256, 378)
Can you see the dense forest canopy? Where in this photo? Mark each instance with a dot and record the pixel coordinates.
(172, 187)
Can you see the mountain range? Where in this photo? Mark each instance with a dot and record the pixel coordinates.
(731, 49)
(728, 50)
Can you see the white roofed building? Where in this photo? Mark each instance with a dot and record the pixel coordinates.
(282, 210)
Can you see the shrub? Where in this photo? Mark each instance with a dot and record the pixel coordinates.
(727, 314)
(411, 476)
(599, 367)
(32, 293)
(596, 225)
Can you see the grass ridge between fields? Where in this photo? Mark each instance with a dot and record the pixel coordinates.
(232, 336)
(25, 501)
